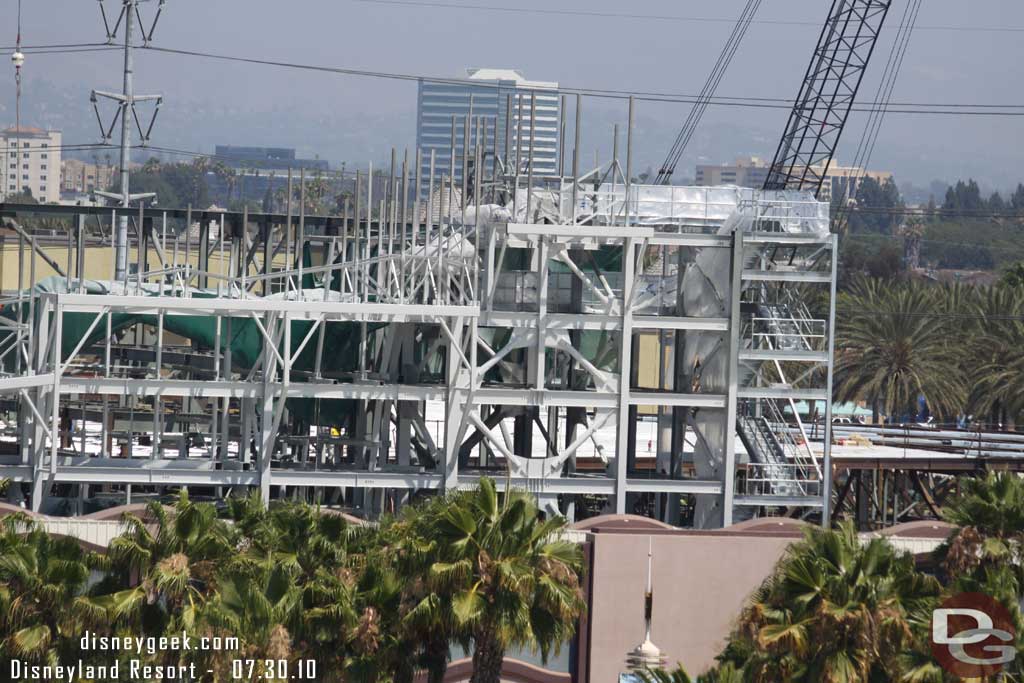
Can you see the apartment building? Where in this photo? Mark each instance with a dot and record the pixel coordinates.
(30, 162)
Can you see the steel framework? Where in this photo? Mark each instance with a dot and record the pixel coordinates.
(534, 331)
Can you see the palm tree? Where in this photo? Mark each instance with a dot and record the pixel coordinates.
(347, 604)
(889, 350)
(260, 607)
(428, 624)
(725, 673)
(998, 348)
(677, 675)
(43, 588)
(513, 582)
(168, 563)
(833, 611)
(986, 552)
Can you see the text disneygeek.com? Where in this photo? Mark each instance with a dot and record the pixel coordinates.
(130, 659)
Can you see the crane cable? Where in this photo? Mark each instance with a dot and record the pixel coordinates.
(869, 137)
(739, 30)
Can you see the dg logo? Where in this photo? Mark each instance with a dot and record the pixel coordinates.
(973, 635)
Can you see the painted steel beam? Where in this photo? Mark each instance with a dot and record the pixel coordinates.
(666, 322)
(786, 238)
(673, 486)
(357, 479)
(99, 474)
(500, 396)
(666, 399)
(778, 501)
(783, 392)
(16, 472)
(12, 384)
(572, 232)
(786, 276)
(784, 355)
(228, 389)
(297, 310)
(684, 239)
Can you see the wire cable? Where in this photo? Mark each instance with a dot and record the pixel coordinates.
(668, 166)
(758, 103)
(869, 137)
(653, 17)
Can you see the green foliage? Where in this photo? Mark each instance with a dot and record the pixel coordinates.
(176, 185)
(889, 350)
(986, 552)
(368, 603)
(960, 347)
(873, 199)
(510, 582)
(836, 610)
(876, 258)
(43, 593)
(1013, 275)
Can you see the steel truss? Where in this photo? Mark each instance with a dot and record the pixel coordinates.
(827, 94)
(416, 343)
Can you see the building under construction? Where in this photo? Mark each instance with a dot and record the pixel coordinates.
(590, 339)
(608, 345)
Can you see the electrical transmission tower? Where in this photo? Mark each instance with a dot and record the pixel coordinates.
(126, 115)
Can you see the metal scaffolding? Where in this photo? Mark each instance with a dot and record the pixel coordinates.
(508, 325)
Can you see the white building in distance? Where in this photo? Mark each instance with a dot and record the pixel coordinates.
(488, 91)
(839, 181)
(30, 160)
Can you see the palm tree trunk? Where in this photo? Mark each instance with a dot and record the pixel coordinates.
(436, 656)
(487, 658)
(404, 673)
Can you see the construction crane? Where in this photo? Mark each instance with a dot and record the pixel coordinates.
(827, 94)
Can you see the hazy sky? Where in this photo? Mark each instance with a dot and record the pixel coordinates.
(642, 53)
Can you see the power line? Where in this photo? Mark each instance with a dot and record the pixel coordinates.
(653, 17)
(55, 45)
(64, 51)
(658, 96)
(668, 166)
(757, 103)
(71, 147)
(886, 84)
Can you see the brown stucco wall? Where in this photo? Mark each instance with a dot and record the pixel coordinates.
(700, 580)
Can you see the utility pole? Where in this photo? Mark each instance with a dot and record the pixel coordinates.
(126, 114)
(18, 59)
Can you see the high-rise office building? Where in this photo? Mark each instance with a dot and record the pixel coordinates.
(488, 93)
(30, 161)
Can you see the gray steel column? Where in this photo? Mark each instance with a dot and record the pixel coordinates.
(625, 372)
(455, 406)
(729, 473)
(121, 243)
(826, 466)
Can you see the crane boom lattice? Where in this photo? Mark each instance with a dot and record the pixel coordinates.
(827, 94)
